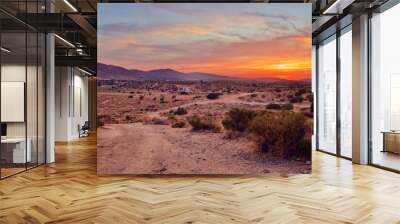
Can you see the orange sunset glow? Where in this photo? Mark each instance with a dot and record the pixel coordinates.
(238, 40)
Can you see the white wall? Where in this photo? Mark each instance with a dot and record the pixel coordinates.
(71, 94)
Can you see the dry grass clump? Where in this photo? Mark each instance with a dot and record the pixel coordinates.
(213, 96)
(103, 119)
(156, 121)
(280, 133)
(180, 111)
(238, 119)
(178, 124)
(273, 106)
(204, 123)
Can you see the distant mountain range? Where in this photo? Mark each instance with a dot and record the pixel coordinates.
(112, 72)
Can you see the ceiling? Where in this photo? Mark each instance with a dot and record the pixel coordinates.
(75, 21)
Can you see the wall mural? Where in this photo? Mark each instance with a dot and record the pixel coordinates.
(211, 88)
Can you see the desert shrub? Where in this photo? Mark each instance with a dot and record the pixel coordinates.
(279, 133)
(263, 96)
(287, 106)
(196, 97)
(213, 96)
(304, 150)
(308, 114)
(312, 107)
(100, 123)
(204, 123)
(296, 99)
(310, 98)
(163, 101)
(171, 117)
(141, 97)
(128, 118)
(103, 119)
(238, 119)
(253, 95)
(273, 106)
(157, 121)
(180, 111)
(179, 124)
(300, 92)
(130, 96)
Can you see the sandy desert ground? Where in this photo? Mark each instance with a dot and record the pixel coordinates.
(135, 146)
(156, 149)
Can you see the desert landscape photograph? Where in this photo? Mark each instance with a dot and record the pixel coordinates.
(204, 89)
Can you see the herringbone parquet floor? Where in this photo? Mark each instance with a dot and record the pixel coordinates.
(69, 191)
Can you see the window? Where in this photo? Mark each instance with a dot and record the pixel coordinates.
(22, 77)
(327, 96)
(346, 92)
(385, 89)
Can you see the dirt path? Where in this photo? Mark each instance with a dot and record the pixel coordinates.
(227, 99)
(156, 149)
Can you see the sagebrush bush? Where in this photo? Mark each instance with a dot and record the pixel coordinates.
(180, 111)
(304, 149)
(103, 119)
(213, 96)
(308, 114)
(179, 124)
(204, 123)
(300, 92)
(287, 106)
(279, 133)
(273, 106)
(296, 99)
(157, 121)
(238, 119)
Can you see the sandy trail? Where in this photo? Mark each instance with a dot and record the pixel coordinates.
(224, 99)
(159, 149)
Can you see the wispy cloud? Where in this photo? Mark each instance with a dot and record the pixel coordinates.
(234, 41)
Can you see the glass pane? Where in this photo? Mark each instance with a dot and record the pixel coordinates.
(346, 94)
(41, 98)
(13, 86)
(327, 96)
(31, 98)
(385, 115)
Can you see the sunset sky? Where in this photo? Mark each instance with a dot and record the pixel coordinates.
(253, 40)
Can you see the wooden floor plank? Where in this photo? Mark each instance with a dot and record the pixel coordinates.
(69, 191)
